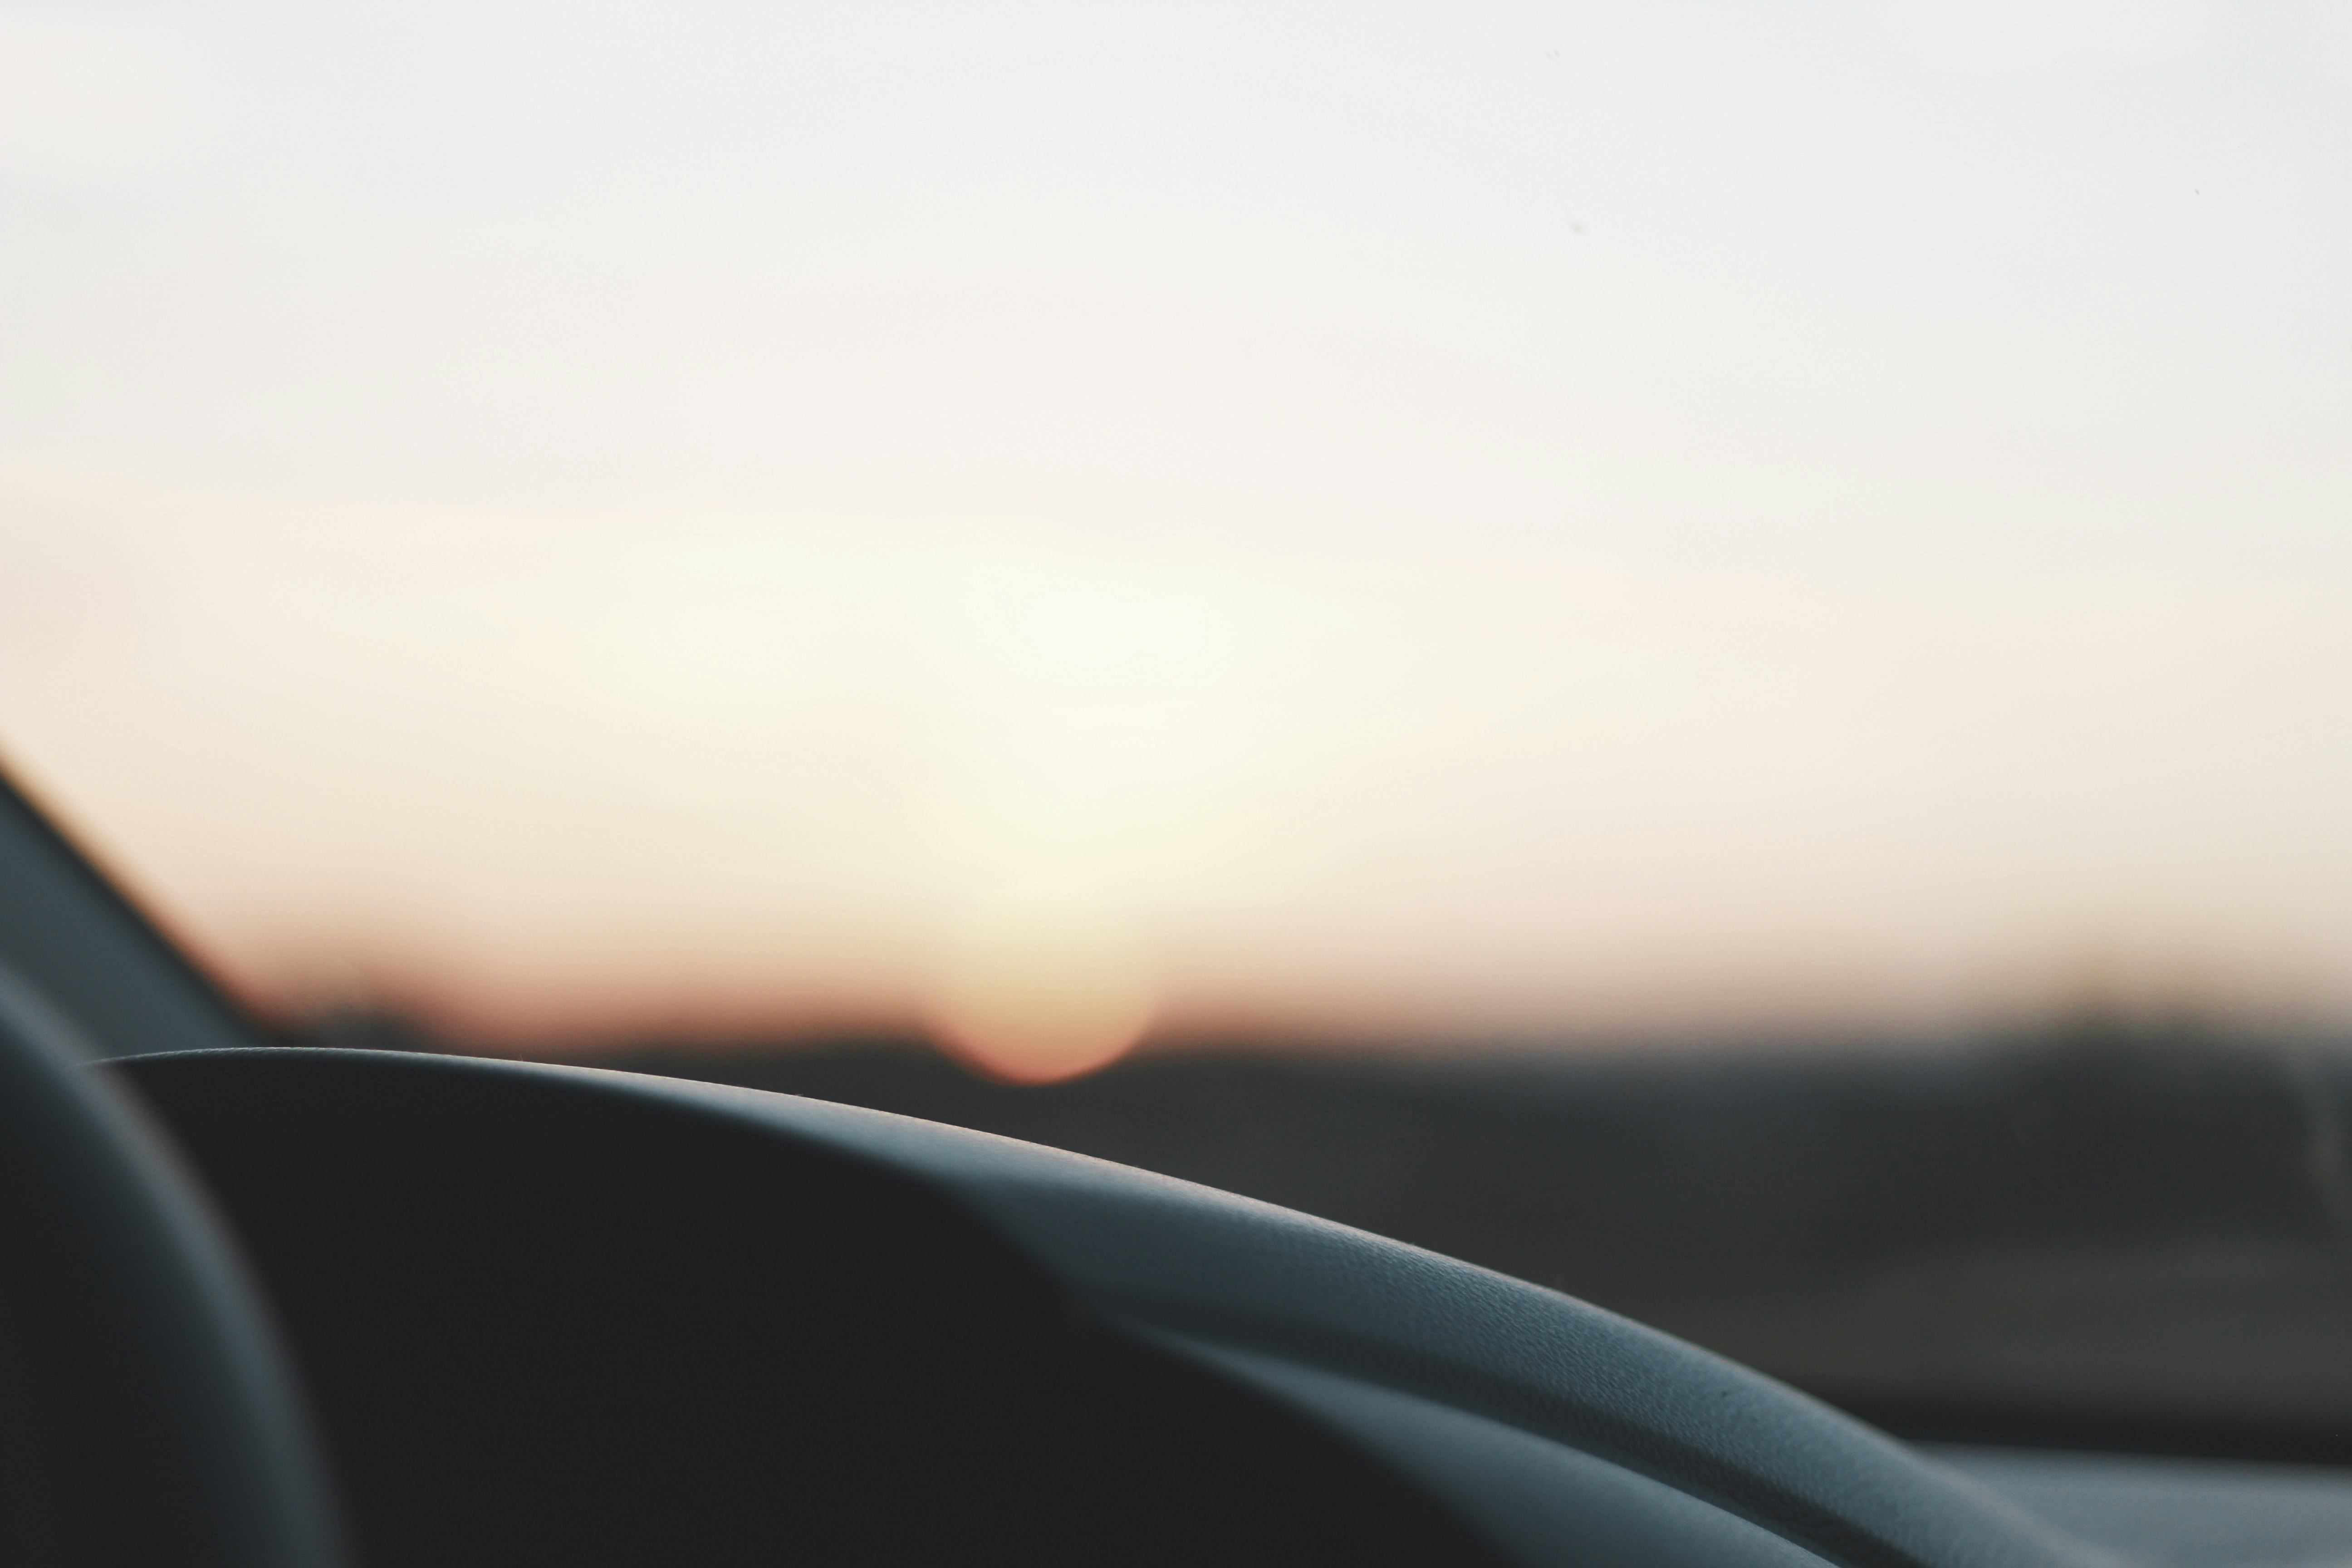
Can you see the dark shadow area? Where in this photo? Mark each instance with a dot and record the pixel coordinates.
(2099, 1234)
(563, 1328)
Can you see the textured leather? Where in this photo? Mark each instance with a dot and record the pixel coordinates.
(1185, 1266)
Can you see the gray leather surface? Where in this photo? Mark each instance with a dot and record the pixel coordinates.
(1207, 1265)
(1542, 1504)
(1172, 1258)
(2181, 1513)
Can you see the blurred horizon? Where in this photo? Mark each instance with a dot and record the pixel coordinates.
(1051, 528)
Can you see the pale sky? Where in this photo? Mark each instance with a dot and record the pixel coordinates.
(1440, 520)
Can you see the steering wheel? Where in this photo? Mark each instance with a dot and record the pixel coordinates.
(566, 1315)
(147, 1415)
(484, 1262)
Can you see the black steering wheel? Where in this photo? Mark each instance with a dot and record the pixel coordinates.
(555, 1314)
(147, 1415)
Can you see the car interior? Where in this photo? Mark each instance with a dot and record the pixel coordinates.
(276, 1305)
(1515, 783)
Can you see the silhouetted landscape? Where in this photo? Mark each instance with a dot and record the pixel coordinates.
(2143, 1232)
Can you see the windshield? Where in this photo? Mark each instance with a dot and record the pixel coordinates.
(1692, 651)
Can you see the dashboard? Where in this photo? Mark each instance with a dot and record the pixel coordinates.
(563, 1314)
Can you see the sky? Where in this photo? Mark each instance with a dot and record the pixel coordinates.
(1058, 523)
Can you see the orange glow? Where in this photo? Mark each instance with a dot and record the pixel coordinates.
(1412, 531)
(1031, 991)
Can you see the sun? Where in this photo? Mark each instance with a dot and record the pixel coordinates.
(1030, 990)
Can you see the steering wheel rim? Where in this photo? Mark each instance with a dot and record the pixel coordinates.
(148, 1413)
(1540, 1422)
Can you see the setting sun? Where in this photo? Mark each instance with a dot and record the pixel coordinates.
(1544, 523)
(1030, 989)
